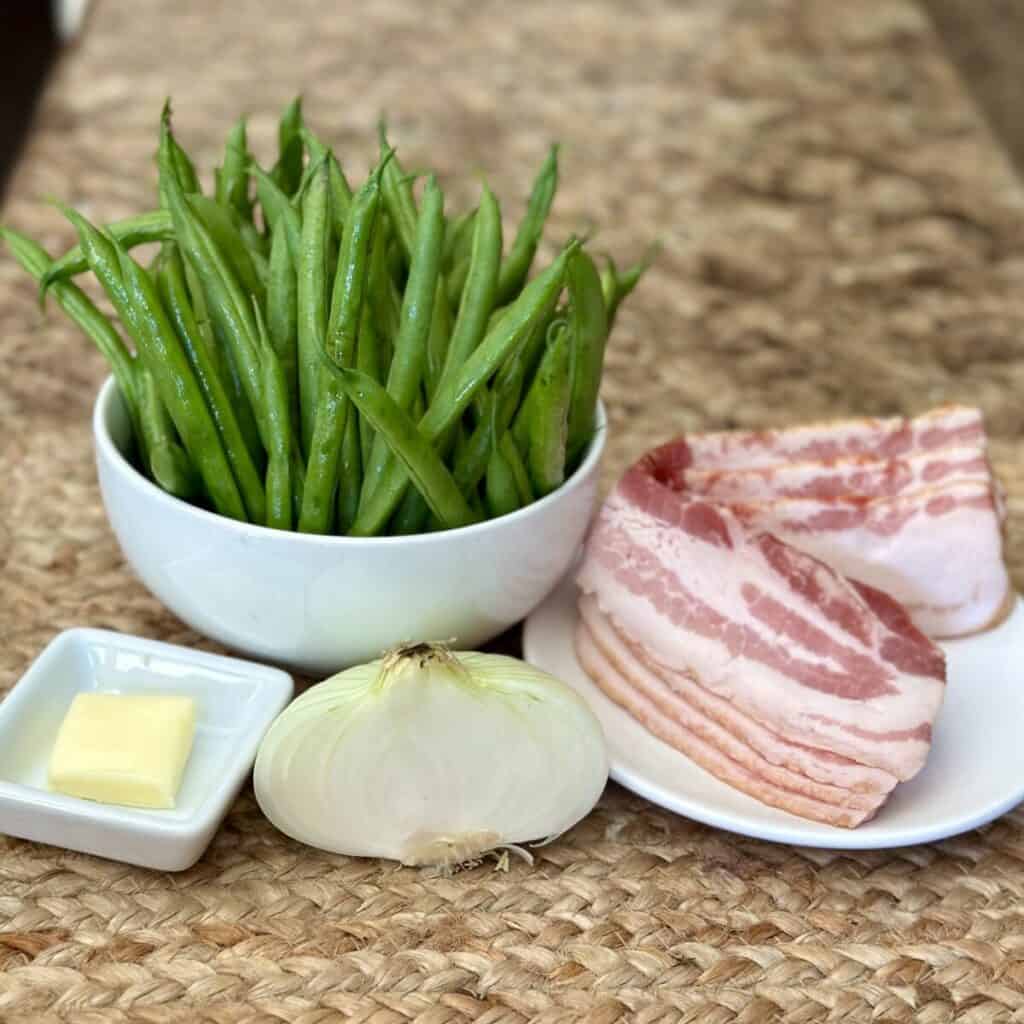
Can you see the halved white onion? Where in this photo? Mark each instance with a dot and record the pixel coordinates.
(429, 756)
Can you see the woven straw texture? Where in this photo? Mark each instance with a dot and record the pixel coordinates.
(841, 235)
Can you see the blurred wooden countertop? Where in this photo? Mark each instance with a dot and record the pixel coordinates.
(842, 235)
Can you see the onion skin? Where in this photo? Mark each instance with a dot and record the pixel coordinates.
(430, 757)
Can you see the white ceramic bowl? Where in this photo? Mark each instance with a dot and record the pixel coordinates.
(318, 604)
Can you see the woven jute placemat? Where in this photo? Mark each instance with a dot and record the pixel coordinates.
(841, 236)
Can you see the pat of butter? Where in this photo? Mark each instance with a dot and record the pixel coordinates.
(124, 749)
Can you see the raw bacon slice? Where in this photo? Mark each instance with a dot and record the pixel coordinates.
(857, 475)
(813, 658)
(938, 551)
(812, 763)
(950, 426)
(909, 506)
(627, 682)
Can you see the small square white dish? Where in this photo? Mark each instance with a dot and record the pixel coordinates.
(235, 703)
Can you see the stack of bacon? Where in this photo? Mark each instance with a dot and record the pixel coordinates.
(811, 691)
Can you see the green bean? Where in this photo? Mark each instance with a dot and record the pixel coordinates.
(414, 512)
(385, 301)
(351, 280)
(185, 170)
(476, 505)
(459, 444)
(609, 282)
(342, 338)
(197, 302)
(368, 361)
(409, 445)
(312, 297)
(158, 347)
(168, 463)
(333, 252)
(458, 255)
(533, 350)
(298, 479)
(287, 171)
(254, 241)
(471, 454)
(82, 311)
(588, 330)
(280, 507)
(341, 191)
(282, 315)
(218, 222)
(541, 425)
(156, 262)
(173, 291)
(278, 212)
(516, 267)
(220, 352)
(237, 387)
(401, 207)
(413, 515)
(529, 309)
(496, 314)
(341, 194)
(396, 264)
(519, 472)
(481, 285)
(616, 286)
(232, 323)
(522, 422)
(451, 401)
(456, 281)
(502, 494)
(279, 430)
(130, 232)
(407, 364)
(299, 194)
(295, 198)
(323, 464)
(179, 163)
(230, 312)
(316, 148)
(398, 199)
(439, 337)
(34, 259)
(262, 267)
(497, 406)
(135, 298)
(458, 238)
(350, 474)
(509, 386)
(232, 177)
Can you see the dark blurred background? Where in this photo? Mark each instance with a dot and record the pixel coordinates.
(984, 37)
(28, 51)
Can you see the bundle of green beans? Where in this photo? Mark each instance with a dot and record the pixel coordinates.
(308, 356)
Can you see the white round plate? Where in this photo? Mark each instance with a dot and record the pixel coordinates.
(974, 773)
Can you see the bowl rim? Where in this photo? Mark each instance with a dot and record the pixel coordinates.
(109, 452)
